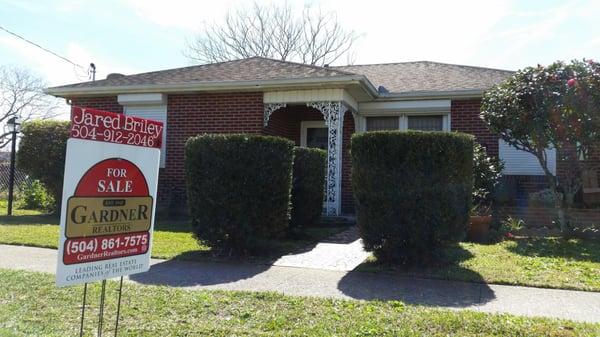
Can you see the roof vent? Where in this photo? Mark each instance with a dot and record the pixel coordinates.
(113, 76)
(382, 90)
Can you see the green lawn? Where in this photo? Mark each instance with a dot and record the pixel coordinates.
(546, 262)
(16, 209)
(553, 262)
(172, 238)
(32, 305)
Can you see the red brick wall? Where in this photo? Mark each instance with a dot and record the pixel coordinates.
(285, 122)
(189, 115)
(465, 118)
(281, 123)
(102, 103)
(347, 197)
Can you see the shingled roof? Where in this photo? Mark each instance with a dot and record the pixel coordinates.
(250, 69)
(396, 78)
(426, 76)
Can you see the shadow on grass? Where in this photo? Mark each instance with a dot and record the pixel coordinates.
(422, 286)
(576, 249)
(180, 273)
(177, 225)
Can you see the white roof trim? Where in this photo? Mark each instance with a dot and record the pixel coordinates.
(340, 81)
(432, 105)
(142, 99)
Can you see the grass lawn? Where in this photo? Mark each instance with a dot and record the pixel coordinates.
(172, 238)
(16, 209)
(32, 305)
(546, 262)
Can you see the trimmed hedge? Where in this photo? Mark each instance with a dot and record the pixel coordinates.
(307, 187)
(238, 189)
(42, 153)
(412, 192)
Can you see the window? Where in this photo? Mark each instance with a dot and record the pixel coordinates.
(426, 123)
(409, 122)
(313, 134)
(154, 112)
(382, 123)
(316, 137)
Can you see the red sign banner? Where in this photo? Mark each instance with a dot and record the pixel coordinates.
(97, 248)
(104, 126)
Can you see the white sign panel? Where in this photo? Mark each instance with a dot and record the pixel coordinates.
(109, 196)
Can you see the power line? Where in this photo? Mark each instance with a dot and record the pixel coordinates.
(42, 48)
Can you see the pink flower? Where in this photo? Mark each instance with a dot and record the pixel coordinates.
(571, 82)
(591, 61)
(510, 235)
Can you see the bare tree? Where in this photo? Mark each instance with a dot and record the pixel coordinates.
(278, 32)
(22, 96)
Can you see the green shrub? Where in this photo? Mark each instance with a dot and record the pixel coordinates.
(486, 175)
(42, 154)
(238, 189)
(307, 187)
(544, 198)
(412, 192)
(35, 196)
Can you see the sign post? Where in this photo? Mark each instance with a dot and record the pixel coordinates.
(109, 199)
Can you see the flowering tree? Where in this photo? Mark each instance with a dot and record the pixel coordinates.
(557, 106)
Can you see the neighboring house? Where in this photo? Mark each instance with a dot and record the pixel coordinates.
(313, 106)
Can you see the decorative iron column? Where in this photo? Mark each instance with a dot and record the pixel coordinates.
(269, 109)
(333, 113)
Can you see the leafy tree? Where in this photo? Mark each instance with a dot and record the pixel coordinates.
(557, 106)
(487, 171)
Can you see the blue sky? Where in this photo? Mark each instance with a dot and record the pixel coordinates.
(135, 35)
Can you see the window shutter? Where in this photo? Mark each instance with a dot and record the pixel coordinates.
(157, 113)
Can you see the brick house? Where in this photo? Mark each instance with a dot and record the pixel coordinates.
(313, 106)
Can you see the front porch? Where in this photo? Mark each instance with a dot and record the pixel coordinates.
(326, 124)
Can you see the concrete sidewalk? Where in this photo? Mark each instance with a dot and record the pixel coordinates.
(574, 305)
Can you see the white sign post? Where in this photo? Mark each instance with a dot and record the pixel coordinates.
(109, 199)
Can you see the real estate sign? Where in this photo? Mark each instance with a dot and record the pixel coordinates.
(109, 196)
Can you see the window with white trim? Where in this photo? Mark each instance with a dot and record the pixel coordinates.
(422, 122)
(154, 112)
(382, 123)
(426, 123)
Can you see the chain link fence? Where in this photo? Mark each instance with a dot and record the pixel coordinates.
(22, 180)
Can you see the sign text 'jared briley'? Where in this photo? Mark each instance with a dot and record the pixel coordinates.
(124, 122)
(118, 128)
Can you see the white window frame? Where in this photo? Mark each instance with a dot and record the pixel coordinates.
(304, 125)
(403, 119)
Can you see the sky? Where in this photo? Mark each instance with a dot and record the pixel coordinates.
(132, 36)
